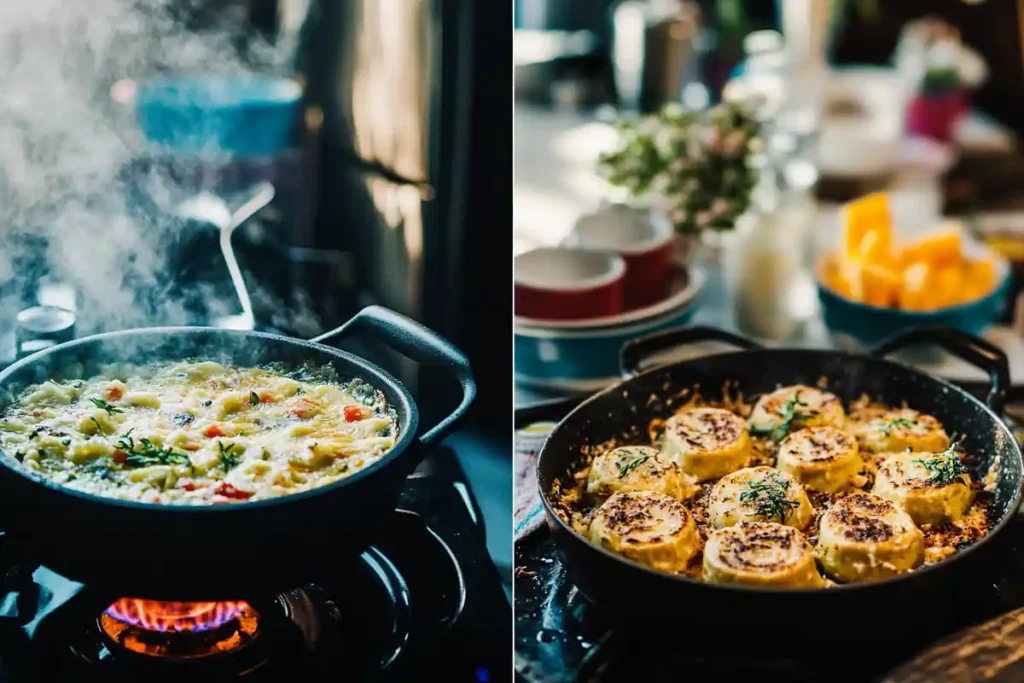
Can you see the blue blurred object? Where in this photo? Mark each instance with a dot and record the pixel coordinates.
(855, 325)
(243, 115)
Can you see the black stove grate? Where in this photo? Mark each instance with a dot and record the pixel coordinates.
(427, 598)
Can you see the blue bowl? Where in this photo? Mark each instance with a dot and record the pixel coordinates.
(238, 115)
(858, 326)
(581, 357)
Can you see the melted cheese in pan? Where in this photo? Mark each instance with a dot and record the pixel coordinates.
(823, 459)
(198, 432)
(760, 554)
(636, 468)
(902, 430)
(708, 443)
(863, 537)
(929, 486)
(759, 494)
(647, 527)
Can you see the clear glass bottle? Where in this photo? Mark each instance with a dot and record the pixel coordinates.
(774, 293)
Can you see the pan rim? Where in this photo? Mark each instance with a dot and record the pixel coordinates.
(1005, 520)
(406, 438)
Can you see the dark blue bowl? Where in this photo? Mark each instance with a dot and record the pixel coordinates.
(856, 325)
(242, 115)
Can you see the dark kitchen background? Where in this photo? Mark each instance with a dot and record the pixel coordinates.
(391, 187)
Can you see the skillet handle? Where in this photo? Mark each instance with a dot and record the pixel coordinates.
(418, 343)
(980, 353)
(635, 352)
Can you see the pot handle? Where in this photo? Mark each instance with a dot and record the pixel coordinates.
(635, 352)
(980, 353)
(421, 345)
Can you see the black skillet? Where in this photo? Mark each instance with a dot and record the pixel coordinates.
(623, 412)
(222, 551)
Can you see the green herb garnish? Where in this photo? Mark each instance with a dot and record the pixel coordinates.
(768, 496)
(145, 452)
(898, 422)
(227, 458)
(626, 466)
(789, 413)
(254, 398)
(99, 427)
(944, 468)
(103, 405)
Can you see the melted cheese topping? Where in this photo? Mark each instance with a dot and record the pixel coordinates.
(761, 554)
(708, 443)
(901, 430)
(759, 494)
(647, 527)
(811, 406)
(636, 468)
(821, 458)
(925, 485)
(863, 537)
(198, 432)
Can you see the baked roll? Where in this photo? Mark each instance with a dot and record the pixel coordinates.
(931, 487)
(863, 537)
(760, 554)
(902, 430)
(790, 408)
(707, 443)
(647, 527)
(823, 459)
(635, 468)
(759, 494)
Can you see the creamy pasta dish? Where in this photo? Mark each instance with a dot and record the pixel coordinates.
(198, 432)
(794, 491)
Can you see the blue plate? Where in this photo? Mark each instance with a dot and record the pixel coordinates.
(584, 356)
(857, 325)
(242, 115)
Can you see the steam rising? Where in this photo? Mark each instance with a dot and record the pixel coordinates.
(64, 143)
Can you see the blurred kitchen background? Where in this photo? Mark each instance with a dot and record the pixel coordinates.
(848, 97)
(363, 144)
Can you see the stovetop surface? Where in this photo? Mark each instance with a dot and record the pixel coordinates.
(428, 600)
(561, 637)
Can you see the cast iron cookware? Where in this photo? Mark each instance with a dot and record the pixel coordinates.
(623, 412)
(217, 552)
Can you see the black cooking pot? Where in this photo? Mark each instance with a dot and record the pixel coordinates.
(217, 552)
(624, 411)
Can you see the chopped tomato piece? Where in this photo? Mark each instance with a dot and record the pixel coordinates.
(355, 413)
(114, 392)
(266, 398)
(120, 456)
(189, 486)
(305, 408)
(229, 491)
(213, 431)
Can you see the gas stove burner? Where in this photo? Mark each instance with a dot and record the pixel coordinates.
(365, 618)
(387, 614)
(183, 630)
(162, 616)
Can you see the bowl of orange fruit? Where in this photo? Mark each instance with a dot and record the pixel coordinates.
(874, 285)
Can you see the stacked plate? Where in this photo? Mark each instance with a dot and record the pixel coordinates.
(616, 278)
(570, 356)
